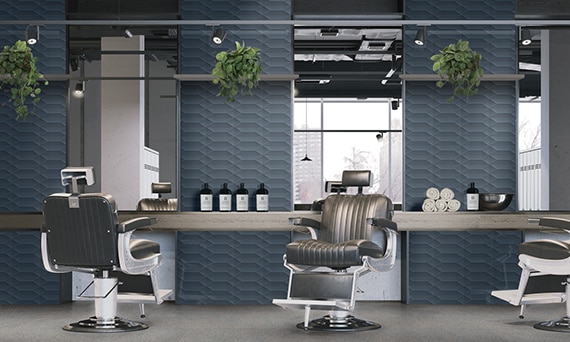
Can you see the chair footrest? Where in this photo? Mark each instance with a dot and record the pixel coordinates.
(313, 303)
(144, 298)
(531, 298)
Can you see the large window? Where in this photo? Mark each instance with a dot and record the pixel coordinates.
(337, 135)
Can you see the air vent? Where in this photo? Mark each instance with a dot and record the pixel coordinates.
(329, 32)
(379, 46)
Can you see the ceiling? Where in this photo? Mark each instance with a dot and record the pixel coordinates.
(357, 62)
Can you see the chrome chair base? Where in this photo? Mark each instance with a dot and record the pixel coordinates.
(341, 324)
(558, 325)
(91, 325)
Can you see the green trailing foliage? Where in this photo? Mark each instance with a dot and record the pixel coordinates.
(20, 77)
(237, 71)
(460, 66)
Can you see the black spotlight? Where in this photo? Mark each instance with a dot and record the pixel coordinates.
(526, 38)
(32, 34)
(395, 104)
(218, 35)
(421, 36)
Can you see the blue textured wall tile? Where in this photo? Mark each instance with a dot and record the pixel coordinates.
(472, 139)
(231, 267)
(458, 10)
(276, 50)
(236, 10)
(248, 141)
(25, 281)
(34, 151)
(461, 267)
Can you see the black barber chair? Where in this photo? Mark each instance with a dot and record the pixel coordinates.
(159, 204)
(545, 275)
(355, 236)
(81, 233)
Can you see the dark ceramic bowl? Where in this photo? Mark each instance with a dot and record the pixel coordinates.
(494, 202)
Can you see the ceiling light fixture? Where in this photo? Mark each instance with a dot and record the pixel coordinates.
(526, 38)
(218, 35)
(128, 33)
(395, 104)
(79, 90)
(32, 34)
(306, 158)
(421, 36)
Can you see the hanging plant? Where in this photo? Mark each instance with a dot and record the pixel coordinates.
(460, 66)
(20, 77)
(237, 71)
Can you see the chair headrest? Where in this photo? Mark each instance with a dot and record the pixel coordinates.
(162, 188)
(357, 178)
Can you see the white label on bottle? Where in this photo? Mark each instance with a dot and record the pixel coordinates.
(472, 201)
(206, 202)
(242, 202)
(262, 202)
(225, 202)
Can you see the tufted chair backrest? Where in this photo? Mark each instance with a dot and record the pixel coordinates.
(344, 216)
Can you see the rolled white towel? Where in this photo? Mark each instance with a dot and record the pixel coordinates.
(453, 205)
(441, 205)
(429, 205)
(446, 194)
(432, 193)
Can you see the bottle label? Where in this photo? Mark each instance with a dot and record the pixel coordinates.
(472, 201)
(262, 202)
(242, 202)
(225, 202)
(206, 202)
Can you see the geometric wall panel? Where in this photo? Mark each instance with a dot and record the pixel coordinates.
(236, 9)
(457, 9)
(230, 267)
(450, 144)
(248, 141)
(24, 280)
(198, 52)
(33, 151)
(461, 267)
(472, 139)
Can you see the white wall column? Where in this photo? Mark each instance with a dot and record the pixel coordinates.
(122, 120)
(555, 120)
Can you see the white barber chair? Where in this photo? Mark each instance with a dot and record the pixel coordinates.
(545, 275)
(81, 233)
(355, 236)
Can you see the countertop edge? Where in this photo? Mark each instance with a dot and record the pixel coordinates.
(278, 221)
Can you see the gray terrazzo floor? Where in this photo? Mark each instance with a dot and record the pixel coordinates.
(171, 322)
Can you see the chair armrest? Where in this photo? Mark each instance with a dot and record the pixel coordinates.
(303, 227)
(382, 222)
(553, 222)
(304, 221)
(135, 223)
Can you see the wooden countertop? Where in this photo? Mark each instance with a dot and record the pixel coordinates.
(278, 221)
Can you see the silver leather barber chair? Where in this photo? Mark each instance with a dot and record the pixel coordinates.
(81, 233)
(354, 236)
(160, 203)
(545, 275)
